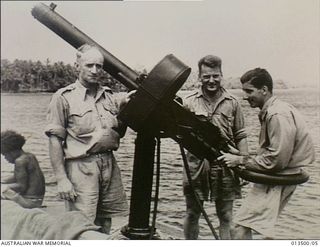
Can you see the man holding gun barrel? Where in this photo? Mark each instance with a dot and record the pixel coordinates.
(285, 147)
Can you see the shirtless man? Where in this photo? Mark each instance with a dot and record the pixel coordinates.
(27, 185)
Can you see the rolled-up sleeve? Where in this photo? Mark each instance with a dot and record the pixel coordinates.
(239, 131)
(56, 117)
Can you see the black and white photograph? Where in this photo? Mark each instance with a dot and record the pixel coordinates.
(160, 120)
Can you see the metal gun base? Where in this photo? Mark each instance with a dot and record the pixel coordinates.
(139, 233)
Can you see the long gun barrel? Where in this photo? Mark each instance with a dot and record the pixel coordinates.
(48, 17)
(154, 95)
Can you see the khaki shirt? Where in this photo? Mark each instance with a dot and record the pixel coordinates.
(284, 143)
(226, 113)
(85, 124)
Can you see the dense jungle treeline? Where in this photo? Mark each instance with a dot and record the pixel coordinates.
(29, 76)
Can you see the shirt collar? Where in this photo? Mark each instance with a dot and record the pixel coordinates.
(81, 90)
(263, 112)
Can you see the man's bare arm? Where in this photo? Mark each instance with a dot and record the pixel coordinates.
(21, 175)
(242, 146)
(9, 179)
(65, 187)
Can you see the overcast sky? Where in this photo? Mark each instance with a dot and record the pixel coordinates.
(282, 36)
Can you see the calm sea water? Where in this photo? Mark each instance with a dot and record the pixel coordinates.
(26, 113)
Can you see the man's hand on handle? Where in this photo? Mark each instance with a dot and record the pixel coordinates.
(232, 158)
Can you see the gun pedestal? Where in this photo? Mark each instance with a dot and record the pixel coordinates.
(157, 89)
(138, 227)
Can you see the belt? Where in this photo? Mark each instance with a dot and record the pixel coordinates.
(99, 155)
(92, 155)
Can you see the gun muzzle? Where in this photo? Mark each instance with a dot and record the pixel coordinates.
(48, 17)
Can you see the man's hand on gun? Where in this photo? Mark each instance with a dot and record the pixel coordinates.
(232, 158)
(130, 95)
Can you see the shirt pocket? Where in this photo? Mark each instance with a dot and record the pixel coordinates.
(109, 115)
(81, 120)
(200, 111)
(110, 106)
(227, 119)
(224, 120)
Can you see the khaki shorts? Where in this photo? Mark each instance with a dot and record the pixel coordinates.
(97, 182)
(261, 208)
(212, 181)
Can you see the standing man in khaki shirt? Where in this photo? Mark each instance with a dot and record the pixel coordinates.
(284, 148)
(83, 131)
(212, 181)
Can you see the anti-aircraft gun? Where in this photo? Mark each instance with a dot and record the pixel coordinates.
(153, 112)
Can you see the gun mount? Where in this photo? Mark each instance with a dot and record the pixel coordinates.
(153, 111)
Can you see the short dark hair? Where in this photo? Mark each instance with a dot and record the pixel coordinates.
(210, 61)
(10, 141)
(258, 77)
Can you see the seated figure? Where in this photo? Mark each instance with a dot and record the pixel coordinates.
(27, 185)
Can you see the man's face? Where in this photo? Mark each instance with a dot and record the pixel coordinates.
(90, 66)
(253, 95)
(210, 79)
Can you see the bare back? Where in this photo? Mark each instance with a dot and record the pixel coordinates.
(29, 176)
